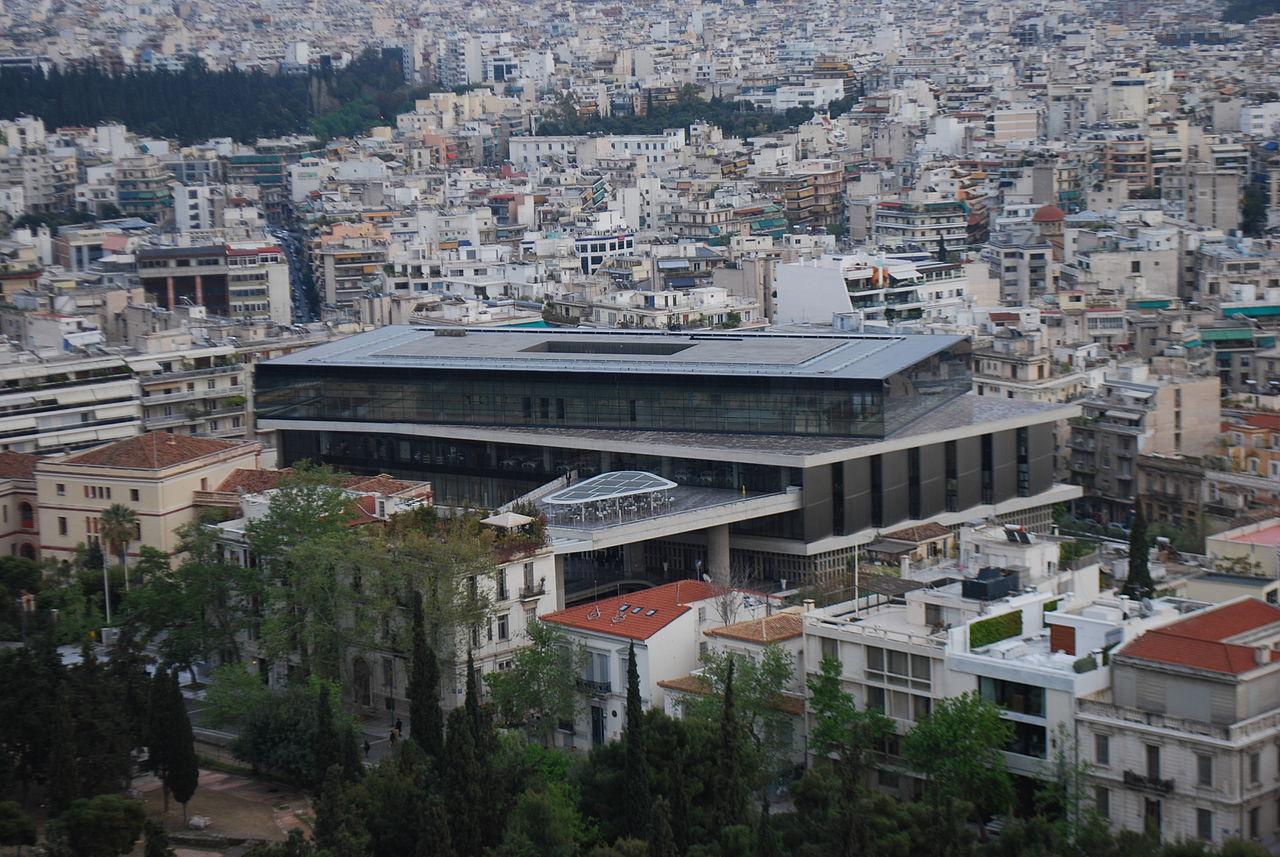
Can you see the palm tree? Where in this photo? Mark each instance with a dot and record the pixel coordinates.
(119, 525)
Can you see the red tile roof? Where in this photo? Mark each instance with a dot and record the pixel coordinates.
(383, 483)
(767, 629)
(702, 686)
(253, 480)
(17, 465)
(1201, 641)
(919, 533)
(668, 602)
(153, 450)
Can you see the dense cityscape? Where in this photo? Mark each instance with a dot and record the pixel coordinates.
(587, 429)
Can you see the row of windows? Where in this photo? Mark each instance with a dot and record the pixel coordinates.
(93, 527)
(1152, 812)
(671, 403)
(94, 492)
(1204, 762)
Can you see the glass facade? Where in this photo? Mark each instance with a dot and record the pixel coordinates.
(692, 401)
(489, 474)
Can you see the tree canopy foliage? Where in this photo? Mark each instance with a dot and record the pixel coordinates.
(193, 104)
(1244, 11)
(735, 118)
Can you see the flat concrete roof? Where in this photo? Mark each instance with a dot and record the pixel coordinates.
(745, 353)
(1268, 537)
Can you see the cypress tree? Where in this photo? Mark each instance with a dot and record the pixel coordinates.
(473, 702)
(184, 769)
(99, 727)
(466, 794)
(662, 840)
(433, 831)
(62, 777)
(1138, 584)
(327, 751)
(427, 724)
(339, 830)
(636, 766)
(731, 788)
(680, 816)
(159, 752)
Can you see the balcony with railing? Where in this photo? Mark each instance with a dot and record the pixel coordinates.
(595, 688)
(1134, 780)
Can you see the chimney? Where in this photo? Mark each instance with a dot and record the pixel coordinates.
(809, 605)
(1262, 654)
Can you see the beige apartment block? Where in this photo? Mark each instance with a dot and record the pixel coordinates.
(19, 526)
(156, 474)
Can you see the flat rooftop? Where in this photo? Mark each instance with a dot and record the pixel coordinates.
(765, 354)
(1270, 536)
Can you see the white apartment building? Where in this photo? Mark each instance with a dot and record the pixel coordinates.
(1260, 120)
(884, 288)
(665, 624)
(1184, 740)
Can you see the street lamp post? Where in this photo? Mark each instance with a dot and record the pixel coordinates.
(106, 587)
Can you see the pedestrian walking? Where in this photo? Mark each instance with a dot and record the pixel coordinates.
(366, 748)
(399, 725)
(392, 737)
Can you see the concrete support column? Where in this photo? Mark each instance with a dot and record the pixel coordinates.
(168, 281)
(718, 554)
(199, 290)
(633, 559)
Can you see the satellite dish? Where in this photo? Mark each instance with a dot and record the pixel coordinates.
(706, 578)
(1147, 607)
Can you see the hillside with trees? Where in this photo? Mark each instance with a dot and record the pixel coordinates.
(196, 104)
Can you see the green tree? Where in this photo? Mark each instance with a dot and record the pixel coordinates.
(184, 768)
(312, 583)
(327, 750)
(759, 703)
(849, 737)
(103, 826)
(464, 778)
(427, 726)
(840, 729)
(100, 732)
(662, 839)
(636, 771)
(733, 778)
(434, 839)
(972, 767)
(16, 827)
(30, 709)
(543, 823)
(162, 749)
(339, 830)
(541, 688)
(127, 671)
(157, 840)
(443, 561)
(1253, 210)
(119, 527)
(198, 608)
(63, 786)
(234, 694)
(279, 734)
(1138, 584)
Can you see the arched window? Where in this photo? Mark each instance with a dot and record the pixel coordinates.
(363, 686)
